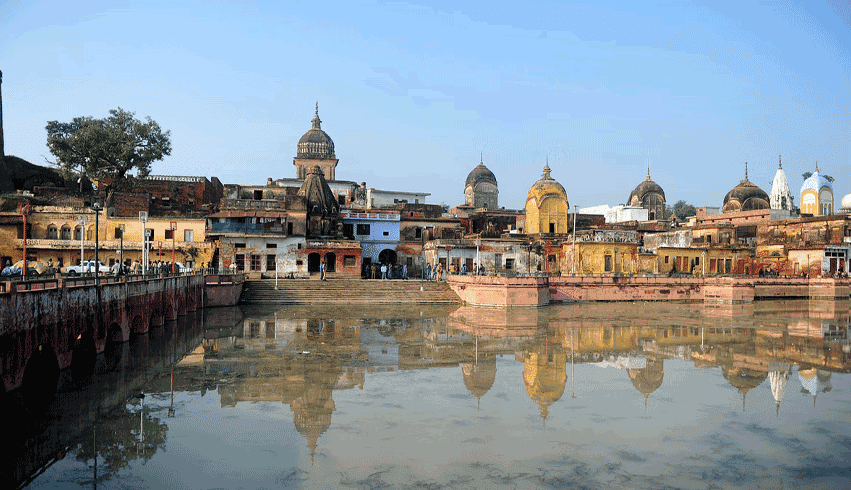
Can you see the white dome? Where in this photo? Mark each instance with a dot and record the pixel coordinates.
(846, 202)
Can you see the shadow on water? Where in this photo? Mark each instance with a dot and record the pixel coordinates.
(93, 414)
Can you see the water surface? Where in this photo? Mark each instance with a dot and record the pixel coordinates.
(572, 396)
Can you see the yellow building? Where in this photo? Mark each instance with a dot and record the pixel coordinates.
(190, 247)
(56, 235)
(547, 207)
(604, 258)
(817, 195)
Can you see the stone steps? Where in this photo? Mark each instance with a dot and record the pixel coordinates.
(346, 291)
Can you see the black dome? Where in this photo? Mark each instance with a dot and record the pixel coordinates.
(316, 143)
(480, 174)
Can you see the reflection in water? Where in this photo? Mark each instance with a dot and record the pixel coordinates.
(368, 392)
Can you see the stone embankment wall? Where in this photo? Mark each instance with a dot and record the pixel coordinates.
(540, 291)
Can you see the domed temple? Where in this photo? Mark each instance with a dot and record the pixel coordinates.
(745, 197)
(315, 148)
(650, 196)
(545, 375)
(323, 210)
(817, 195)
(547, 206)
(481, 189)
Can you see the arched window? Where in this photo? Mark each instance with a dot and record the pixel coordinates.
(78, 233)
(52, 232)
(65, 233)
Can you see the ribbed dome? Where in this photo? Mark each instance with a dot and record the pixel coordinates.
(745, 197)
(316, 143)
(480, 174)
(846, 202)
(644, 188)
(816, 182)
(546, 186)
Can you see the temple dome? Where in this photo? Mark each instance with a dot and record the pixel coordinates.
(316, 143)
(745, 197)
(480, 174)
(816, 182)
(642, 189)
(316, 191)
(846, 202)
(781, 195)
(546, 186)
(479, 376)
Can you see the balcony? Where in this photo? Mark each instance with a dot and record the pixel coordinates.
(246, 228)
(51, 244)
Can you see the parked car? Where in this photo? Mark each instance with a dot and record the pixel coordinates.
(86, 267)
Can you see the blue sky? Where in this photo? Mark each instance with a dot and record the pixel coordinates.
(412, 93)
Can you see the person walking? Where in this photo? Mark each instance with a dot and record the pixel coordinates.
(404, 271)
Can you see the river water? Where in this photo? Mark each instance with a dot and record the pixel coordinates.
(652, 395)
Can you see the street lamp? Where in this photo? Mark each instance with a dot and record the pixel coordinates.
(97, 206)
(82, 220)
(173, 226)
(143, 218)
(121, 249)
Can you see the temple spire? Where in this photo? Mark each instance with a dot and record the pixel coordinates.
(780, 161)
(746, 170)
(816, 165)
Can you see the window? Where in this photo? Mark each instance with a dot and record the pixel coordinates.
(299, 263)
(608, 263)
(289, 228)
(187, 235)
(52, 233)
(349, 261)
(552, 227)
(238, 245)
(666, 259)
(65, 233)
(509, 264)
(255, 262)
(118, 232)
(271, 245)
(363, 229)
(169, 234)
(341, 200)
(497, 260)
(270, 263)
(239, 260)
(418, 233)
(386, 233)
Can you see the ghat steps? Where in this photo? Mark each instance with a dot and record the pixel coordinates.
(347, 291)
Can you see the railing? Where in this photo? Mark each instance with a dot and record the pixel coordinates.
(248, 228)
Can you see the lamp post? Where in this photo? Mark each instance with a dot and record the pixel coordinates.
(82, 220)
(97, 206)
(121, 248)
(143, 218)
(173, 226)
(574, 240)
(423, 264)
(25, 211)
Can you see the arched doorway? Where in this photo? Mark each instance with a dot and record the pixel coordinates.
(387, 256)
(313, 262)
(330, 262)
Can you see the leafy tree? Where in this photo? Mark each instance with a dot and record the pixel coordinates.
(108, 148)
(681, 210)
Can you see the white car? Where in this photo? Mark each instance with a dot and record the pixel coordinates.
(87, 266)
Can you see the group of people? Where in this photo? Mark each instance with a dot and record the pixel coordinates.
(385, 271)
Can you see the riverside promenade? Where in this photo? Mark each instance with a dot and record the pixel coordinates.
(540, 291)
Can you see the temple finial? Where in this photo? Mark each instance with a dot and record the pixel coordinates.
(816, 165)
(482, 157)
(648, 170)
(317, 109)
(746, 170)
(780, 160)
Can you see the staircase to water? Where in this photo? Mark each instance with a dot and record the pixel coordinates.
(346, 291)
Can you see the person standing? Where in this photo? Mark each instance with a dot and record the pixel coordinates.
(404, 271)
(322, 271)
(383, 271)
(428, 272)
